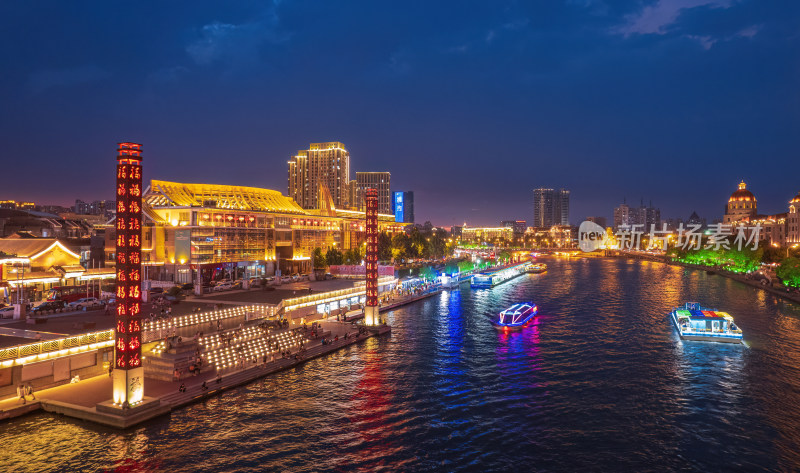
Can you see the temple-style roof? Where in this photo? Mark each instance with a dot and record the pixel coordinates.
(26, 247)
(174, 194)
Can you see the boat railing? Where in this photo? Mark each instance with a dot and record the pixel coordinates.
(705, 330)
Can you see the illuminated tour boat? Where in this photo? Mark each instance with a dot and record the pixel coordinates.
(491, 278)
(536, 268)
(516, 316)
(697, 323)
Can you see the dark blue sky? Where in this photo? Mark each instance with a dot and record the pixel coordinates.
(469, 104)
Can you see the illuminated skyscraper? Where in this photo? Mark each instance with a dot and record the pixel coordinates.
(327, 164)
(550, 207)
(404, 207)
(378, 181)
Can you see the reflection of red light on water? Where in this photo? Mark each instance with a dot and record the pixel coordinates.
(130, 465)
(372, 400)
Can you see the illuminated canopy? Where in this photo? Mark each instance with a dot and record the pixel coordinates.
(174, 194)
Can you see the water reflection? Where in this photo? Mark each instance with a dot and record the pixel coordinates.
(599, 382)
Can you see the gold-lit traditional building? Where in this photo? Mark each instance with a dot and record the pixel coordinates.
(39, 265)
(480, 235)
(208, 228)
(782, 229)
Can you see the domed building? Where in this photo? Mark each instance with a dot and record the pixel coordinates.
(741, 206)
(781, 229)
(793, 221)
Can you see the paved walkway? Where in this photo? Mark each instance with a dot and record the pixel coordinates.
(89, 392)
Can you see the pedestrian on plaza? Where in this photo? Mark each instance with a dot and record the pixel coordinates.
(21, 393)
(110, 369)
(182, 388)
(176, 374)
(204, 387)
(107, 311)
(29, 391)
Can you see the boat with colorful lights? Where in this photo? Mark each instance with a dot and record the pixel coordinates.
(536, 268)
(515, 317)
(493, 277)
(694, 322)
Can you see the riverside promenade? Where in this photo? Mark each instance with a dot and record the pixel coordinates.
(793, 296)
(79, 400)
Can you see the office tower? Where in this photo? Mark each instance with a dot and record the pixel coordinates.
(550, 207)
(378, 181)
(404, 206)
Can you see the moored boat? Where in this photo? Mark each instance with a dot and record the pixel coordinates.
(694, 322)
(515, 317)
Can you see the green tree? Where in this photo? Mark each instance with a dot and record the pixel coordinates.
(773, 255)
(319, 259)
(400, 246)
(334, 257)
(384, 247)
(353, 256)
(789, 272)
(417, 248)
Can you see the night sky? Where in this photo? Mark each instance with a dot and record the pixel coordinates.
(469, 104)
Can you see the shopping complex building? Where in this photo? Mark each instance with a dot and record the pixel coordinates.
(233, 231)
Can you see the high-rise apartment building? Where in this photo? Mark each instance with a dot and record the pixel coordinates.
(644, 216)
(622, 215)
(326, 164)
(378, 181)
(404, 207)
(97, 207)
(550, 207)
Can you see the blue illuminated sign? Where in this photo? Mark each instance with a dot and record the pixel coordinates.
(398, 207)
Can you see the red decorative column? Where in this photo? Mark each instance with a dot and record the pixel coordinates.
(128, 376)
(371, 315)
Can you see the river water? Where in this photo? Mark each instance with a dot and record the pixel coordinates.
(601, 382)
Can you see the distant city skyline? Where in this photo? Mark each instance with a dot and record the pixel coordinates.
(469, 107)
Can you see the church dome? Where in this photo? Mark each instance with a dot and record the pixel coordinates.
(742, 194)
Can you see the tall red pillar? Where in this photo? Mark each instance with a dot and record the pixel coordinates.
(128, 375)
(371, 314)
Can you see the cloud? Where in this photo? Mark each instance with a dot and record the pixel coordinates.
(215, 39)
(166, 75)
(237, 44)
(749, 32)
(705, 41)
(400, 62)
(655, 18)
(43, 80)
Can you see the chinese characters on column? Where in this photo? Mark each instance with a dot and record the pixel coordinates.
(128, 351)
(371, 258)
